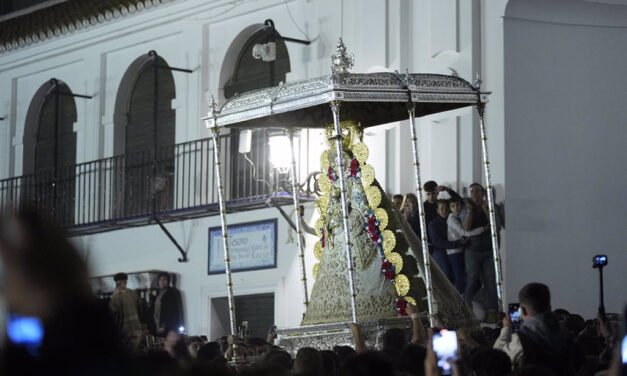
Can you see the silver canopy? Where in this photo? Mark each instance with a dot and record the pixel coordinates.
(368, 98)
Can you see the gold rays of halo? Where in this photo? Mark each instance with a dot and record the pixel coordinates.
(396, 260)
(361, 152)
(389, 241)
(315, 270)
(401, 282)
(318, 249)
(373, 193)
(367, 175)
(382, 217)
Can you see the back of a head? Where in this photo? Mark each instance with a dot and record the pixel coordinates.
(330, 362)
(394, 342)
(535, 296)
(208, 352)
(490, 362)
(35, 249)
(368, 364)
(308, 361)
(278, 357)
(264, 369)
(344, 353)
(412, 360)
(532, 370)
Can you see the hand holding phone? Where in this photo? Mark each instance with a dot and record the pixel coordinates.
(515, 316)
(445, 349)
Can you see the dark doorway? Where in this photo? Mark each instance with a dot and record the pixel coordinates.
(257, 309)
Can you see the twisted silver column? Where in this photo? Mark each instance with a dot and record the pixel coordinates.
(299, 241)
(411, 109)
(335, 108)
(495, 244)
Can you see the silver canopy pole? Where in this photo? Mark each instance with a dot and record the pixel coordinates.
(215, 132)
(492, 217)
(411, 109)
(335, 107)
(299, 241)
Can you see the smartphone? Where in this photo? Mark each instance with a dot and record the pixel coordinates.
(515, 316)
(445, 349)
(25, 330)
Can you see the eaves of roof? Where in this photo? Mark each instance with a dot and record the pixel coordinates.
(65, 18)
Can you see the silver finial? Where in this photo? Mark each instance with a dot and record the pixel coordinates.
(342, 62)
(214, 106)
(478, 81)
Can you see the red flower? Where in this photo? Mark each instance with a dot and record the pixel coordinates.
(401, 306)
(388, 270)
(331, 174)
(354, 167)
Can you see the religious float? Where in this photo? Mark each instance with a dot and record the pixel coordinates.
(370, 263)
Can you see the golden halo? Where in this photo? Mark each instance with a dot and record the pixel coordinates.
(373, 193)
(323, 182)
(318, 250)
(367, 175)
(324, 160)
(396, 260)
(323, 204)
(410, 300)
(382, 217)
(361, 152)
(319, 226)
(401, 282)
(314, 272)
(389, 241)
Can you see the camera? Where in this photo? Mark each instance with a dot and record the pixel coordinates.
(599, 261)
(445, 349)
(515, 316)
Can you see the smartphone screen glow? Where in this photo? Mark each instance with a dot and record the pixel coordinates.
(25, 330)
(445, 348)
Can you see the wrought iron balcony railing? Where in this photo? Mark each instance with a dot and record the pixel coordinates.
(131, 189)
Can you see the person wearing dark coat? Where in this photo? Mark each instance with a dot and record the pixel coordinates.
(168, 308)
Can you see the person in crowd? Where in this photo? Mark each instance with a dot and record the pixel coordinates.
(168, 306)
(409, 210)
(432, 191)
(308, 362)
(539, 341)
(397, 200)
(456, 232)
(437, 231)
(478, 255)
(124, 304)
(46, 285)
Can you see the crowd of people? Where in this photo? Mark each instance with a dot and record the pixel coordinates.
(459, 238)
(46, 280)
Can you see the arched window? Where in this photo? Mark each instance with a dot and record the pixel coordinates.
(49, 156)
(250, 73)
(144, 132)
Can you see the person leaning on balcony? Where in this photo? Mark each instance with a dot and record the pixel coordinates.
(168, 306)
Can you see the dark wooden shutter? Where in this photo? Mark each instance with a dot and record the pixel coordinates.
(55, 183)
(149, 171)
(250, 74)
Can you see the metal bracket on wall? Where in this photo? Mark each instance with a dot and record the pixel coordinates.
(169, 235)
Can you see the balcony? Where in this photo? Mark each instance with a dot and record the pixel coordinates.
(134, 189)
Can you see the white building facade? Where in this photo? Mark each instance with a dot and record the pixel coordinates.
(555, 120)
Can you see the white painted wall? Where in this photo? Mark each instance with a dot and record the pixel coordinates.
(565, 149)
(441, 36)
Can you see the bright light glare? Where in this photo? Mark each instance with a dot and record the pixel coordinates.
(280, 152)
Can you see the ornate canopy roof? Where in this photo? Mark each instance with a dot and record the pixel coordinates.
(370, 98)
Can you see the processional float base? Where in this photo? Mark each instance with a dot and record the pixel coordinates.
(326, 336)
